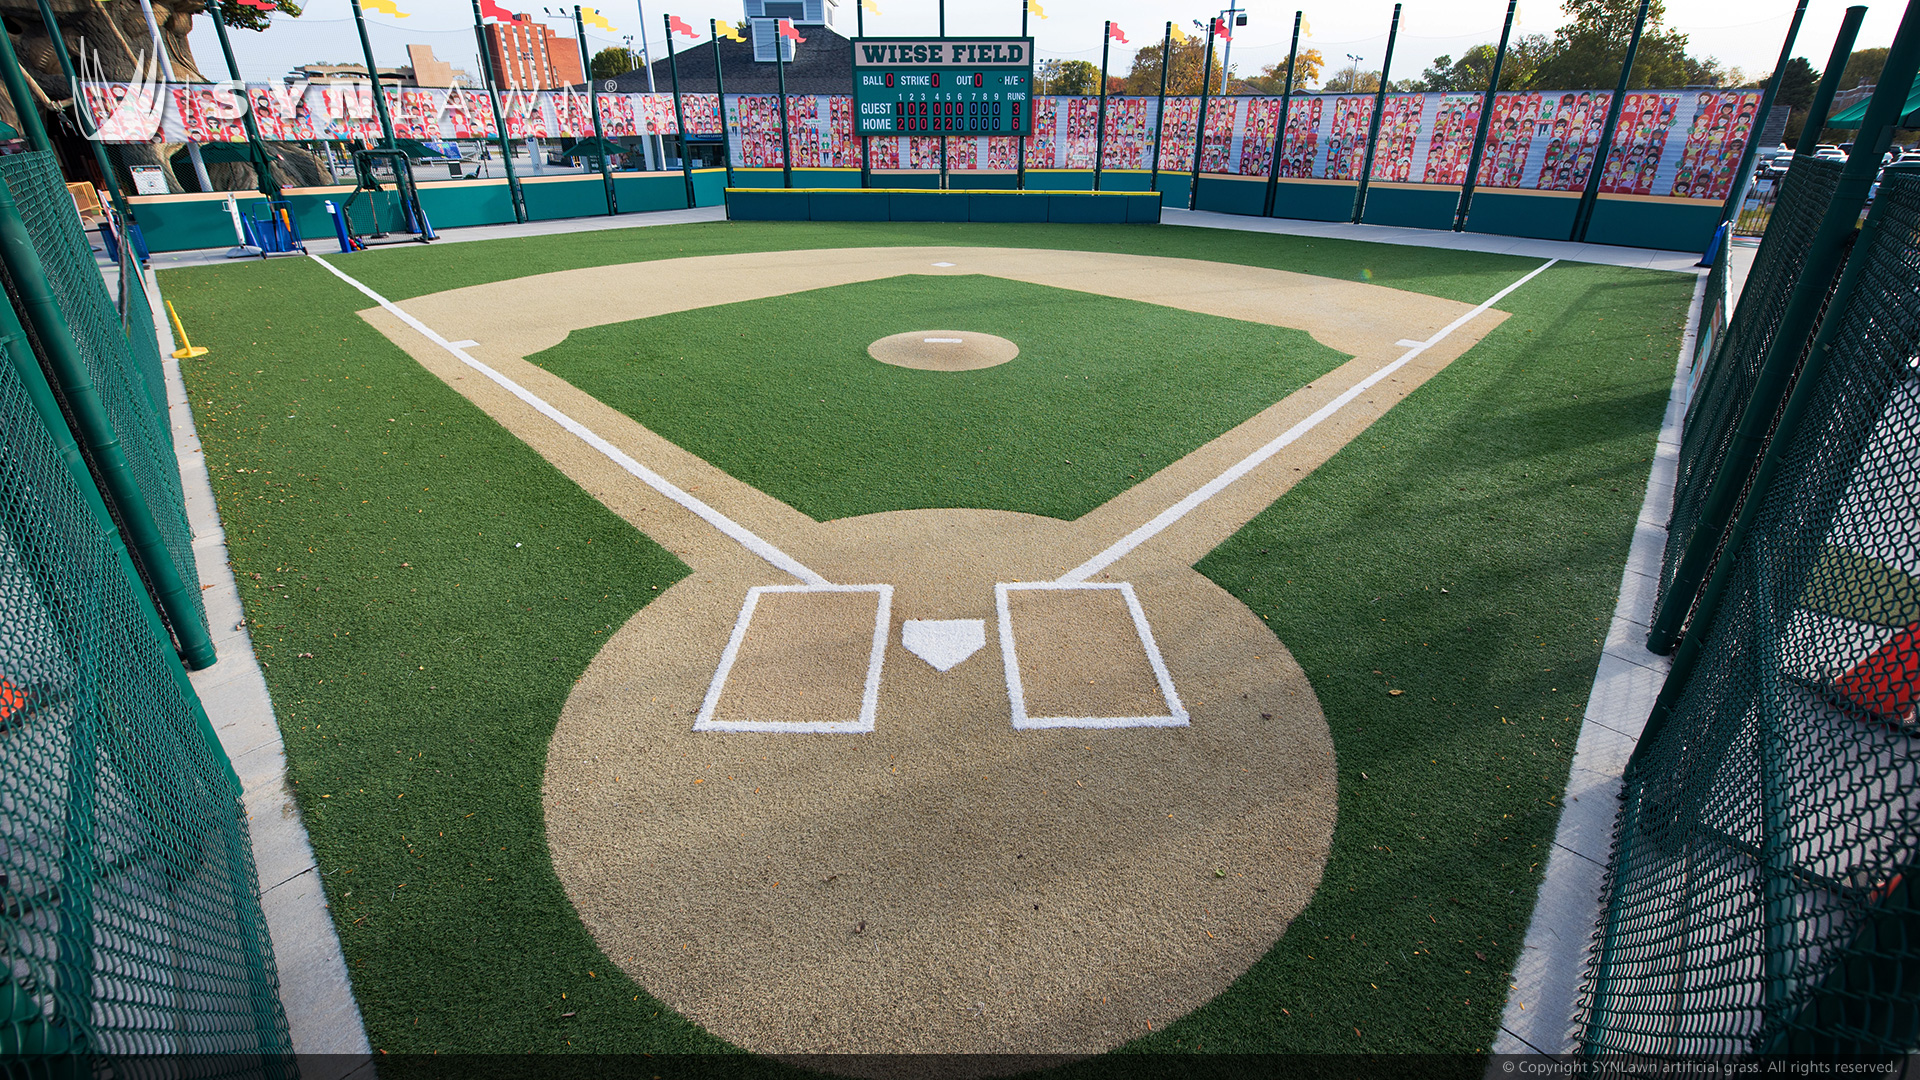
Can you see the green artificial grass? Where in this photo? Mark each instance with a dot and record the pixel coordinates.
(1104, 393)
(416, 733)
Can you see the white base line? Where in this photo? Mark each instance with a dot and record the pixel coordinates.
(1253, 461)
(654, 480)
(869, 696)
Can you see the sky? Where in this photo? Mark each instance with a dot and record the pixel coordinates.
(1740, 33)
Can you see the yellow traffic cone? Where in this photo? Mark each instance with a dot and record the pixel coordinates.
(190, 350)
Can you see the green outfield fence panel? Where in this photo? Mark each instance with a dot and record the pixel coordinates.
(131, 918)
(1761, 891)
(1716, 304)
(1726, 383)
(122, 360)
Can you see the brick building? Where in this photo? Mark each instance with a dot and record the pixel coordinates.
(527, 55)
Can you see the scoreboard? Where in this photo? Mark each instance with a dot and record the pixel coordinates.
(943, 86)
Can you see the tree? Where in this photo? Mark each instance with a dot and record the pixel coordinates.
(611, 62)
(1587, 52)
(1797, 82)
(1470, 72)
(1068, 77)
(1346, 81)
(1273, 78)
(1183, 72)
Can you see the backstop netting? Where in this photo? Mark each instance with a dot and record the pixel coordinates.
(122, 359)
(1761, 888)
(1727, 382)
(131, 919)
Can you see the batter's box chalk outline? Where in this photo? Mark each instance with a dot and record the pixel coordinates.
(1176, 715)
(869, 698)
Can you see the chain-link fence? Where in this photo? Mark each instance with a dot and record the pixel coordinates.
(1761, 892)
(131, 922)
(122, 359)
(1731, 374)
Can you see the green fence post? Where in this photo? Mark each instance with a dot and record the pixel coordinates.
(1590, 195)
(1373, 125)
(860, 31)
(1159, 114)
(1796, 323)
(499, 121)
(1100, 125)
(22, 95)
(261, 162)
(680, 112)
(173, 593)
(593, 103)
(1200, 121)
(1486, 122)
(1743, 176)
(83, 115)
(1280, 130)
(1020, 157)
(1822, 103)
(720, 95)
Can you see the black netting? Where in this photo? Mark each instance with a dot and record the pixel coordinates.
(1727, 382)
(1761, 885)
(123, 360)
(131, 919)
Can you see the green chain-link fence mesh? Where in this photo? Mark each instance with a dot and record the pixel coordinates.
(123, 360)
(1761, 891)
(1728, 379)
(130, 919)
(1716, 306)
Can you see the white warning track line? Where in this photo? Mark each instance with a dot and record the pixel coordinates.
(1253, 461)
(733, 529)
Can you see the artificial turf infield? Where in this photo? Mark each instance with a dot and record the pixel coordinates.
(1511, 480)
(1105, 392)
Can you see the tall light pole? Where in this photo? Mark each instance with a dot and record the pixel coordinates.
(1227, 19)
(1353, 77)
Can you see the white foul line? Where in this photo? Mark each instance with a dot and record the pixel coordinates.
(654, 480)
(1253, 461)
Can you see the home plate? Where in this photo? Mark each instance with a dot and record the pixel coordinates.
(943, 642)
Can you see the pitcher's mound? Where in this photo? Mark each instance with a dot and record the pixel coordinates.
(943, 350)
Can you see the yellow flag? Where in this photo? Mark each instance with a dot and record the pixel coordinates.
(729, 31)
(1034, 7)
(1179, 38)
(1306, 28)
(872, 8)
(591, 18)
(385, 7)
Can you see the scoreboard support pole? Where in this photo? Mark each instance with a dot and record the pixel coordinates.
(1280, 129)
(943, 137)
(1160, 111)
(1020, 160)
(1100, 128)
(866, 149)
(720, 92)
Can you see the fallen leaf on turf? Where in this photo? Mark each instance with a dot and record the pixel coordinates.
(1479, 955)
(1395, 693)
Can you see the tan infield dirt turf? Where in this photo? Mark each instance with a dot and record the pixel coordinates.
(942, 883)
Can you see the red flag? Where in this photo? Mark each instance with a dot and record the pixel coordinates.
(1220, 28)
(787, 30)
(263, 5)
(489, 9)
(677, 25)
(1114, 33)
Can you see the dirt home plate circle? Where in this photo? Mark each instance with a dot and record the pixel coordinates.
(938, 780)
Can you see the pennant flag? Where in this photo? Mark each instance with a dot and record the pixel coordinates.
(385, 7)
(591, 18)
(787, 31)
(1306, 28)
(1033, 7)
(1179, 36)
(1220, 28)
(490, 9)
(1114, 33)
(1884, 682)
(729, 31)
(872, 8)
(263, 5)
(677, 25)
